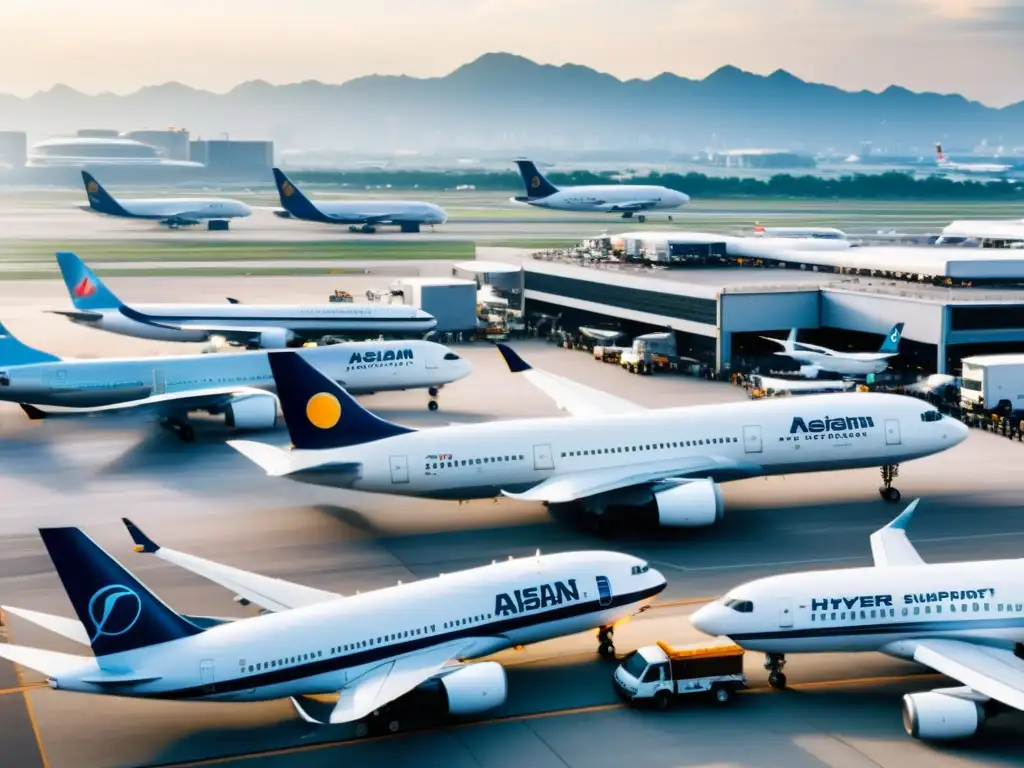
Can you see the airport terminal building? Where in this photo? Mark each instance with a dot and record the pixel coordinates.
(955, 302)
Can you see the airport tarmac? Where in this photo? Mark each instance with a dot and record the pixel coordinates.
(844, 710)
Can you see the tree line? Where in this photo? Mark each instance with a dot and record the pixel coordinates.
(892, 185)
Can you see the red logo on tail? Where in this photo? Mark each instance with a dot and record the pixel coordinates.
(84, 288)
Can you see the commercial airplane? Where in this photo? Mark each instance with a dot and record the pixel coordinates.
(372, 648)
(255, 326)
(965, 620)
(172, 212)
(814, 233)
(612, 456)
(815, 359)
(986, 168)
(360, 215)
(626, 199)
(238, 385)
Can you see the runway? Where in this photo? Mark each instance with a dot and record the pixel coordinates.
(207, 500)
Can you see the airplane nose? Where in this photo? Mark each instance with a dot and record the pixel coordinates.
(960, 431)
(703, 620)
(683, 198)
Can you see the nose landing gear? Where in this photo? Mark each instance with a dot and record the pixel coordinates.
(889, 473)
(774, 662)
(606, 647)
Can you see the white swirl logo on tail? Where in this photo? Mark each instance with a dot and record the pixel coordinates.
(102, 607)
(895, 335)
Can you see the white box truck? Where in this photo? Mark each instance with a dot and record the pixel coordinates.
(657, 674)
(993, 383)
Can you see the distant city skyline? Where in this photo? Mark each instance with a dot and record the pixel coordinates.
(948, 46)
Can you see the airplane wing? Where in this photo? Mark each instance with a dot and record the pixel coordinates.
(578, 399)
(383, 684)
(157, 406)
(994, 672)
(633, 205)
(357, 218)
(890, 545)
(563, 488)
(267, 592)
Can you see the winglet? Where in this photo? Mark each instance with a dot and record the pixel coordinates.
(35, 414)
(142, 542)
(903, 519)
(515, 363)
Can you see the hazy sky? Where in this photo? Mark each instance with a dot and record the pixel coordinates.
(969, 46)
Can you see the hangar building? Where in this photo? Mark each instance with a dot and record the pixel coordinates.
(954, 301)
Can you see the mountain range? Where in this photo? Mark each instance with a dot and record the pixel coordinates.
(506, 103)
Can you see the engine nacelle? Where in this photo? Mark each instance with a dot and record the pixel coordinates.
(275, 338)
(466, 690)
(809, 371)
(252, 412)
(690, 505)
(934, 716)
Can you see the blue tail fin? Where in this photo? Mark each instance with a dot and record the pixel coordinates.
(536, 185)
(320, 413)
(292, 199)
(892, 341)
(15, 352)
(86, 290)
(117, 610)
(99, 199)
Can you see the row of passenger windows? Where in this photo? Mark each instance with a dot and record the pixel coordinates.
(373, 642)
(652, 446)
(918, 610)
(472, 462)
(469, 620)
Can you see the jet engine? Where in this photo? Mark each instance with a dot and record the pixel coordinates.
(275, 338)
(937, 716)
(809, 371)
(465, 690)
(252, 412)
(690, 504)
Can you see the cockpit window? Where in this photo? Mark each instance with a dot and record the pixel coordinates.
(931, 416)
(638, 569)
(740, 606)
(451, 356)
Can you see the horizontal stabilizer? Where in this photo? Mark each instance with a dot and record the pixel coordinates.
(114, 679)
(49, 663)
(271, 459)
(81, 316)
(890, 545)
(69, 628)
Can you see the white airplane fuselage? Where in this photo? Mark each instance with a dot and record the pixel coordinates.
(307, 320)
(883, 609)
(363, 211)
(189, 208)
(844, 363)
(770, 437)
(610, 198)
(361, 367)
(322, 648)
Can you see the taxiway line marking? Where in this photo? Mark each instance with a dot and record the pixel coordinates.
(296, 750)
(25, 688)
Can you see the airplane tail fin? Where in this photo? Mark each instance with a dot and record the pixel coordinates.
(15, 352)
(99, 199)
(536, 185)
(117, 610)
(758, 229)
(892, 341)
(940, 157)
(85, 289)
(292, 199)
(319, 413)
(791, 340)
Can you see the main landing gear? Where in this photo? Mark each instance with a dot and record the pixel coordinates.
(380, 721)
(433, 392)
(774, 662)
(182, 429)
(889, 473)
(606, 647)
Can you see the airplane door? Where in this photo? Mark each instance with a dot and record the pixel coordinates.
(892, 432)
(206, 675)
(604, 591)
(431, 363)
(542, 457)
(785, 612)
(752, 439)
(399, 469)
(159, 382)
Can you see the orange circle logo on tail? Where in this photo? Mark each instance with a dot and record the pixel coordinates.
(323, 410)
(287, 189)
(535, 182)
(92, 187)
